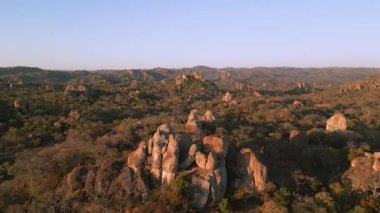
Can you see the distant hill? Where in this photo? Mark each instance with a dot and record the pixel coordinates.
(276, 78)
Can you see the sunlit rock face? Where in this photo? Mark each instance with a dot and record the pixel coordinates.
(170, 160)
(376, 162)
(337, 122)
(137, 158)
(251, 169)
(194, 125)
(227, 98)
(298, 137)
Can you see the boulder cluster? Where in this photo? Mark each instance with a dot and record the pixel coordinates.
(75, 90)
(196, 123)
(241, 86)
(179, 79)
(363, 86)
(205, 159)
(227, 99)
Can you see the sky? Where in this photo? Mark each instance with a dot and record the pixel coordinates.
(123, 34)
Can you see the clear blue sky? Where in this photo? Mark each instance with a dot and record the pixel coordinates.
(97, 34)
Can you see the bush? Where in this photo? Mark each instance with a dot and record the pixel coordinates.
(282, 196)
(273, 207)
(224, 206)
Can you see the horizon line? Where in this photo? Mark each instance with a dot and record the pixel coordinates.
(191, 67)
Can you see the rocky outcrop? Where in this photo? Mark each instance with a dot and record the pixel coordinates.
(179, 79)
(241, 86)
(250, 169)
(216, 144)
(198, 75)
(337, 122)
(200, 189)
(208, 117)
(21, 105)
(208, 123)
(298, 137)
(203, 162)
(72, 181)
(74, 90)
(16, 103)
(227, 98)
(164, 150)
(81, 89)
(104, 180)
(198, 125)
(138, 157)
(373, 158)
(257, 94)
(301, 85)
(68, 89)
(193, 124)
(170, 160)
(133, 84)
(209, 180)
(298, 103)
(376, 163)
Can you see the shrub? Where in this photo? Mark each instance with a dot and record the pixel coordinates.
(224, 206)
(282, 196)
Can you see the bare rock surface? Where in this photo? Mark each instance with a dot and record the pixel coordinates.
(337, 122)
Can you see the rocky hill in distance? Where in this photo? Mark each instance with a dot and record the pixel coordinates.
(277, 78)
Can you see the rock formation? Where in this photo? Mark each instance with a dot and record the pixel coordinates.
(241, 86)
(376, 163)
(256, 94)
(337, 122)
(198, 75)
(374, 158)
(202, 161)
(81, 89)
(21, 105)
(179, 79)
(138, 157)
(73, 90)
(227, 98)
(208, 123)
(250, 169)
(16, 104)
(74, 115)
(209, 180)
(298, 103)
(301, 85)
(133, 84)
(298, 137)
(68, 89)
(170, 161)
(193, 124)
(104, 179)
(216, 144)
(208, 117)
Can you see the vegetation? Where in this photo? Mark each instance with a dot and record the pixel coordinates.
(40, 142)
